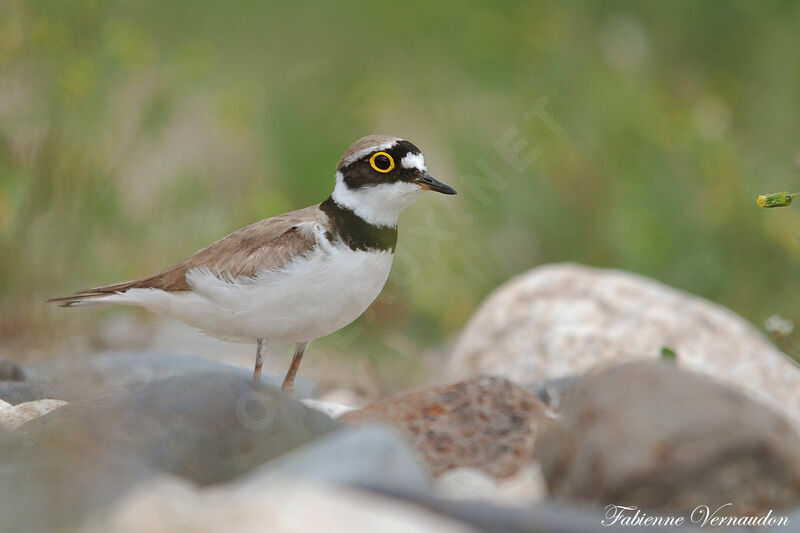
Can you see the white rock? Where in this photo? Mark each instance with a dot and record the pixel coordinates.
(466, 484)
(333, 410)
(166, 505)
(525, 487)
(565, 319)
(344, 396)
(8, 416)
(13, 416)
(363, 456)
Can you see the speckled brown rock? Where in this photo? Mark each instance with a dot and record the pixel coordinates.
(487, 423)
(650, 435)
(561, 320)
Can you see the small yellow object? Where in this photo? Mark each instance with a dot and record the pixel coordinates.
(374, 164)
(776, 199)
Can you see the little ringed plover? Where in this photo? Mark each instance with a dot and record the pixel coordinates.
(297, 276)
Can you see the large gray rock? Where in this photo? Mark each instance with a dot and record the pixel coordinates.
(168, 505)
(205, 427)
(541, 517)
(650, 435)
(488, 423)
(83, 377)
(10, 371)
(368, 456)
(560, 320)
(16, 392)
(53, 487)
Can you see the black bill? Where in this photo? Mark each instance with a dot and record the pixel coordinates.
(426, 181)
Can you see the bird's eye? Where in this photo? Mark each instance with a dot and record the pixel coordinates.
(382, 162)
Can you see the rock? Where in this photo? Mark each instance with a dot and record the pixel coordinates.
(369, 456)
(524, 487)
(343, 396)
(466, 484)
(16, 392)
(11, 417)
(207, 428)
(650, 435)
(487, 423)
(10, 371)
(541, 517)
(168, 505)
(553, 392)
(83, 377)
(561, 320)
(333, 410)
(793, 518)
(53, 487)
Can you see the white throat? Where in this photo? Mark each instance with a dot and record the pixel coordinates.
(379, 205)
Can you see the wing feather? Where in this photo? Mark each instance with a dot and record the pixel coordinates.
(268, 244)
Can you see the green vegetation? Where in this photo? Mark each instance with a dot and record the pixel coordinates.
(668, 354)
(776, 199)
(622, 134)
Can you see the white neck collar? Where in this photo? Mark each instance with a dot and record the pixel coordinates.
(379, 205)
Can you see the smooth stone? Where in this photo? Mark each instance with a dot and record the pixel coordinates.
(286, 506)
(564, 319)
(16, 392)
(553, 392)
(205, 427)
(13, 416)
(54, 486)
(466, 484)
(525, 487)
(487, 423)
(651, 435)
(541, 517)
(82, 377)
(10, 371)
(8, 438)
(368, 456)
(333, 410)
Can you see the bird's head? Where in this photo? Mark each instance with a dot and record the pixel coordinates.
(379, 176)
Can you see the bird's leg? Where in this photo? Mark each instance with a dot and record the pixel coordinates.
(288, 382)
(261, 350)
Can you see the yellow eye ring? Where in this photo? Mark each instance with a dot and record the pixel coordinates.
(376, 167)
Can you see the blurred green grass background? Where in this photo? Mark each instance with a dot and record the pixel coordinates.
(134, 133)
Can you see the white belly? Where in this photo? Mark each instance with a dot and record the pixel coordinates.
(311, 298)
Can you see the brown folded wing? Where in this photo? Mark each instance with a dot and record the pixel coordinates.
(268, 244)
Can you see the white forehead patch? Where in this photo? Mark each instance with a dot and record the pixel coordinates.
(412, 160)
(355, 156)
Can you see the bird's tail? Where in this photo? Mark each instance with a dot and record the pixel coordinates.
(80, 300)
(105, 295)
